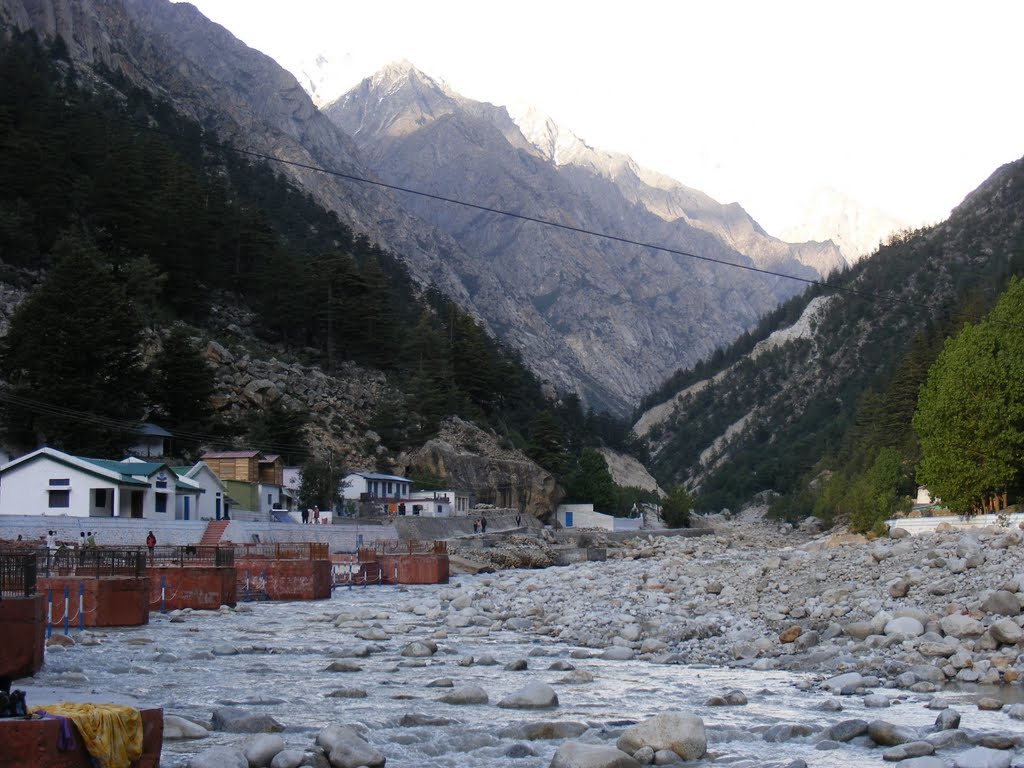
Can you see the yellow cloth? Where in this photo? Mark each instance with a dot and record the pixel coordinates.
(112, 732)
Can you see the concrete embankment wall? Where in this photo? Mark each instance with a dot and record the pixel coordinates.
(929, 524)
(342, 536)
(129, 532)
(438, 528)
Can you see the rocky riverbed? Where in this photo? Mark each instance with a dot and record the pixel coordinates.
(750, 647)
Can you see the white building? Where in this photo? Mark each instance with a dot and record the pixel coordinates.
(210, 503)
(50, 482)
(584, 516)
(365, 486)
(435, 504)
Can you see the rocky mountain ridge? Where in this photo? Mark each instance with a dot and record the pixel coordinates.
(672, 201)
(593, 316)
(623, 316)
(856, 229)
(242, 97)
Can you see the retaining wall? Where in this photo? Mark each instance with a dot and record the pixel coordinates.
(23, 629)
(128, 532)
(442, 528)
(414, 569)
(113, 601)
(289, 579)
(200, 587)
(929, 524)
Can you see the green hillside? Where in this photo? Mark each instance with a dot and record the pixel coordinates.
(833, 397)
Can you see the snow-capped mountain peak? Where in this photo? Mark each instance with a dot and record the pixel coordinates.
(556, 144)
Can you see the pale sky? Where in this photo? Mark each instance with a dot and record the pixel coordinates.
(902, 105)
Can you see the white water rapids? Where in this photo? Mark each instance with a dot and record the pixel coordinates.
(284, 648)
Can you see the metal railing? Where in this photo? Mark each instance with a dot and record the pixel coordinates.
(17, 573)
(298, 550)
(192, 556)
(92, 561)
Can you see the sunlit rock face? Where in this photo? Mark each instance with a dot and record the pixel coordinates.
(601, 317)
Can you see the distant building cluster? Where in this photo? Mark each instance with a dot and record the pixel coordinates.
(242, 484)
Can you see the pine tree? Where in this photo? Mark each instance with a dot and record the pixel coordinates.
(278, 430)
(970, 414)
(320, 484)
(73, 344)
(593, 482)
(547, 443)
(183, 383)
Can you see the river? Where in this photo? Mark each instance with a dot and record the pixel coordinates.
(188, 666)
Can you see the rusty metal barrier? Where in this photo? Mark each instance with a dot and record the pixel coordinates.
(298, 550)
(17, 573)
(92, 561)
(193, 556)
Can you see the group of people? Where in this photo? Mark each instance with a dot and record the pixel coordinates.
(311, 516)
(86, 539)
(480, 525)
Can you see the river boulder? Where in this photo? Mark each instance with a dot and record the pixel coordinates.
(680, 732)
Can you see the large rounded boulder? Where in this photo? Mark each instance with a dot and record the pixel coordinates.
(679, 732)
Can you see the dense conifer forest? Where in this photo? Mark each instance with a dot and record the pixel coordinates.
(120, 215)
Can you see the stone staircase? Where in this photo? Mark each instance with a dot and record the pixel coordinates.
(214, 530)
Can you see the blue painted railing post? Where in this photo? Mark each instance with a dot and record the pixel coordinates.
(350, 577)
(81, 605)
(49, 614)
(67, 607)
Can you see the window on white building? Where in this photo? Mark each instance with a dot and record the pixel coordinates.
(60, 499)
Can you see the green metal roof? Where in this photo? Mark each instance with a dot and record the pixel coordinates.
(135, 469)
(81, 464)
(129, 468)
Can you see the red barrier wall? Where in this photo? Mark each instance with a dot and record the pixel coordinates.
(115, 601)
(192, 587)
(415, 569)
(289, 579)
(34, 743)
(23, 629)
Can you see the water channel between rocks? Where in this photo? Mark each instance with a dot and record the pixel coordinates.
(284, 649)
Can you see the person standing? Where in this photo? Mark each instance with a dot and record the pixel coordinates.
(90, 540)
(475, 525)
(316, 515)
(151, 544)
(483, 524)
(305, 516)
(519, 520)
(51, 540)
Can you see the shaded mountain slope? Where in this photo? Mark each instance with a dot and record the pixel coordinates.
(761, 415)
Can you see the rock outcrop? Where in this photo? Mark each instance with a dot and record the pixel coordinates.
(339, 405)
(465, 457)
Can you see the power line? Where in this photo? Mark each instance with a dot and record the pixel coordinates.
(870, 295)
(559, 225)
